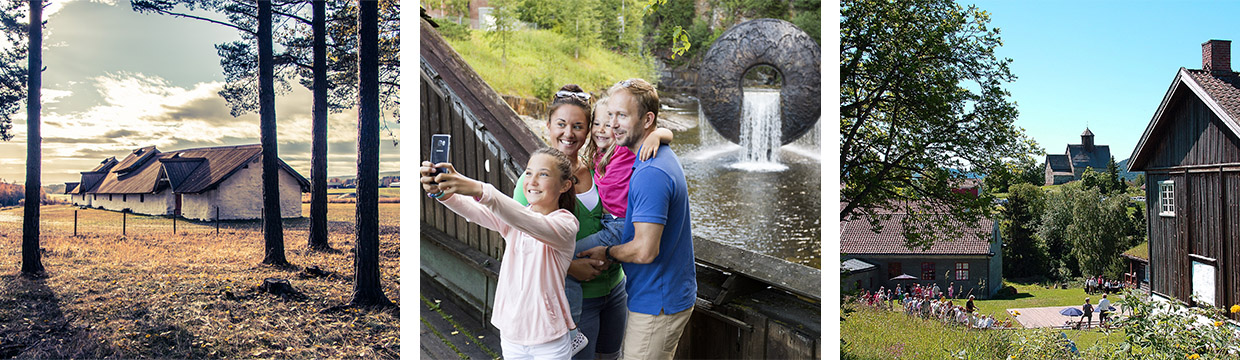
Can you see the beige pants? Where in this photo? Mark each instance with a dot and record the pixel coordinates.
(653, 336)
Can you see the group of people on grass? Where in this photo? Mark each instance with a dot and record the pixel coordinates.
(1098, 284)
(930, 303)
(599, 261)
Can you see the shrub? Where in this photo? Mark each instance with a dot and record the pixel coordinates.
(454, 31)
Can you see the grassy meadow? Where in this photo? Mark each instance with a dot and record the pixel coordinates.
(543, 56)
(879, 334)
(189, 294)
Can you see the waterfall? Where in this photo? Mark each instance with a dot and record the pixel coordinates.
(760, 131)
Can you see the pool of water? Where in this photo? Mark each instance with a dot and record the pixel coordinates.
(773, 211)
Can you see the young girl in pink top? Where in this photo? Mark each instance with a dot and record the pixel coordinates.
(531, 310)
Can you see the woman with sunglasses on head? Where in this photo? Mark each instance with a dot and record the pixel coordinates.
(595, 289)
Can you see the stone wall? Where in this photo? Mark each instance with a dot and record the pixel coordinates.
(240, 197)
(160, 203)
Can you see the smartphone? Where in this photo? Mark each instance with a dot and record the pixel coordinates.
(440, 143)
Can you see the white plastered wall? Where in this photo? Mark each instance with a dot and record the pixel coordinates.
(240, 197)
(147, 204)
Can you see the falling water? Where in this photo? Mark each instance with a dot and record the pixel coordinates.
(760, 131)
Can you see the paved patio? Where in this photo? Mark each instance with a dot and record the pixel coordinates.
(1045, 317)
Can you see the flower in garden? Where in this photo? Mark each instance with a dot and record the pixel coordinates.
(1218, 323)
(1194, 356)
(1235, 309)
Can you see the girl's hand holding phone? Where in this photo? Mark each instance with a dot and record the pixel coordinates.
(447, 183)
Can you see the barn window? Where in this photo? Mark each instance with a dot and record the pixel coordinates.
(141, 197)
(927, 271)
(124, 197)
(110, 197)
(962, 271)
(1166, 198)
(894, 269)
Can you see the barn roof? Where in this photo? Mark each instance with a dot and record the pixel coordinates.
(147, 170)
(70, 187)
(1059, 163)
(1219, 91)
(857, 237)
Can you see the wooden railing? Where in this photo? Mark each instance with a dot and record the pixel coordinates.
(490, 143)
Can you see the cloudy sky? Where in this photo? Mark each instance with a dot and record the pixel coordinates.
(117, 80)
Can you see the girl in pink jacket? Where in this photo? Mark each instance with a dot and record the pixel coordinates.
(531, 310)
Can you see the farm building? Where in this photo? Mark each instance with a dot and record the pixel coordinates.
(1062, 168)
(192, 183)
(1190, 152)
(972, 263)
(1138, 265)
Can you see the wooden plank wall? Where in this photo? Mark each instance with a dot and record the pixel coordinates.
(471, 157)
(1194, 138)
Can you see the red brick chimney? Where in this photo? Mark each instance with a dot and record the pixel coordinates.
(1216, 57)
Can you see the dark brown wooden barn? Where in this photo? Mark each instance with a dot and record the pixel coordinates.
(1190, 153)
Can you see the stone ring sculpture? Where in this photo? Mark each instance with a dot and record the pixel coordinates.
(772, 42)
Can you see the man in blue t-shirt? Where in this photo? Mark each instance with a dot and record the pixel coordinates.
(657, 243)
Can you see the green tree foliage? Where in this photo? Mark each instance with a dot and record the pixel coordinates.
(457, 8)
(580, 25)
(1023, 253)
(1140, 180)
(545, 14)
(1113, 183)
(504, 13)
(807, 15)
(1084, 227)
(922, 92)
(1056, 217)
(12, 61)
(1034, 173)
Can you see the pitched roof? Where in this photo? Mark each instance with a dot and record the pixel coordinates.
(1059, 163)
(1220, 93)
(1082, 157)
(1087, 132)
(70, 187)
(185, 171)
(857, 237)
(853, 266)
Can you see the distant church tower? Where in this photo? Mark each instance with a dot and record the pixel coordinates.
(1087, 139)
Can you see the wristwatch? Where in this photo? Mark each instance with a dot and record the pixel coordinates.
(607, 253)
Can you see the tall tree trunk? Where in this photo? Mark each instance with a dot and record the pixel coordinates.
(318, 161)
(273, 231)
(32, 263)
(366, 287)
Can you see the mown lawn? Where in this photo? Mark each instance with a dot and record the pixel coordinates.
(873, 334)
(870, 333)
(191, 294)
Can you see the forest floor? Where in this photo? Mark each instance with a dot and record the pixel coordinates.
(152, 293)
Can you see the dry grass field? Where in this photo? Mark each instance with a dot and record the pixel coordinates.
(189, 294)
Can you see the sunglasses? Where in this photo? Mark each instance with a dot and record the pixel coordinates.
(576, 94)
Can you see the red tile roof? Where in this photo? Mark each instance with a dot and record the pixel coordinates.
(857, 237)
(1225, 89)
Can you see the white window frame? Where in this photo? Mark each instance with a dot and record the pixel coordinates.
(1166, 198)
(962, 273)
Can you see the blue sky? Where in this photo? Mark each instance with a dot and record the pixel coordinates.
(117, 80)
(1107, 63)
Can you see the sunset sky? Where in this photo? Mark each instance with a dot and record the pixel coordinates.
(117, 80)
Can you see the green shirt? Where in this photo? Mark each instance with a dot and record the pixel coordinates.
(590, 222)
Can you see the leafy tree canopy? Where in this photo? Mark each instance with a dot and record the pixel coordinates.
(922, 107)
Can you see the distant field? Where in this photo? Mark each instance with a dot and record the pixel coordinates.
(190, 294)
(383, 192)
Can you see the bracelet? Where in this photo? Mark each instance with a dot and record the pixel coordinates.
(436, 196)
(607, 253)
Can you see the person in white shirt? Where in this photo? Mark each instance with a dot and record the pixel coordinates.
(1104, 307)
